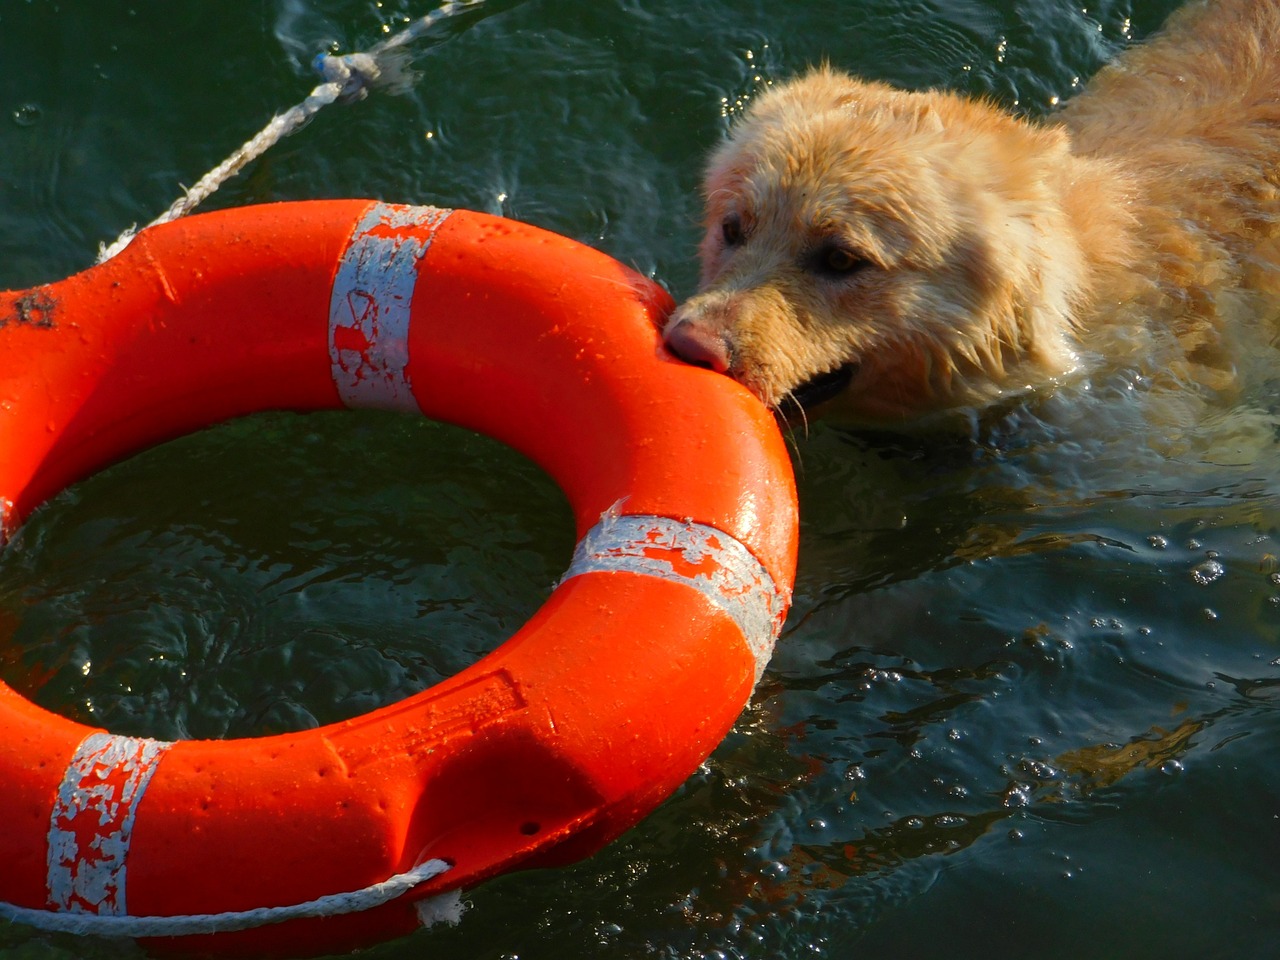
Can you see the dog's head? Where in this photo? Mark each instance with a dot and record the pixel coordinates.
(904, 252)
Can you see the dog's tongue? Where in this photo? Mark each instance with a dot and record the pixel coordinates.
(822, 387)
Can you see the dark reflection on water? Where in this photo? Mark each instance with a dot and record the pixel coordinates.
(1026, 701)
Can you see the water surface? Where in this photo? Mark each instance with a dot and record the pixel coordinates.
(1026, 701)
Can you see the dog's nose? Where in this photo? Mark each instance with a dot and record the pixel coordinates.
(699, 346)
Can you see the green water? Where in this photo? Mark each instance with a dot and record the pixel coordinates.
(1026, 703)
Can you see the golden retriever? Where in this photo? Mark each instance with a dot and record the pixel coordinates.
(897, 253)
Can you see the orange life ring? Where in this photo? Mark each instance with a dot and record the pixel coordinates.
(538, 754)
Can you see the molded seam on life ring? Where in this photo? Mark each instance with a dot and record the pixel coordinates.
(370, 305)
(711, 561)
(92, 821)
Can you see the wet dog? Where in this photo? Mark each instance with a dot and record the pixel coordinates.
(892, 254)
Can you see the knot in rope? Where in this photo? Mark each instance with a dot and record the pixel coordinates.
(356, 72)
(347, 79)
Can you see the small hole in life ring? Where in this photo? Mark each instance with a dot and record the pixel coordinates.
(529, 828)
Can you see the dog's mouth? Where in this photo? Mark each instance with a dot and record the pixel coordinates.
(819, 389)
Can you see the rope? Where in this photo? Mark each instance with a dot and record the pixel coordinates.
(184, 925)
(347, 79)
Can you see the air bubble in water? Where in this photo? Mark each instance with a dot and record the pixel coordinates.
(27, 115)
(1207, 572)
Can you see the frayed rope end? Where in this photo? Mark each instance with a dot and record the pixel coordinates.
(447, 908)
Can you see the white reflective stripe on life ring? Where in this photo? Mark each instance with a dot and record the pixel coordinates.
(92, 821)
(728, 574)
(370, 306)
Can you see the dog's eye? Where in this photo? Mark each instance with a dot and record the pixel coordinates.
(840, 260)
(731, 230)
(837, 260)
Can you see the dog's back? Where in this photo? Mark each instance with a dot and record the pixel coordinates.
(1212, 75)
(1194, 116)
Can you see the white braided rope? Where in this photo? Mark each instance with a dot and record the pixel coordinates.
(347, 78)
(183, 925)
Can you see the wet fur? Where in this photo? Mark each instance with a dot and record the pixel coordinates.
(990, 253)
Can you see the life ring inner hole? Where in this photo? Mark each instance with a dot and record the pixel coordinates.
(277, 572)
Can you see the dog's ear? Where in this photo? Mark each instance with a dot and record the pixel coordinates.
(820, 89)
(927, 119)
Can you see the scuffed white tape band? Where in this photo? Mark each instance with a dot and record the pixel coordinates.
(370, 305)
(186, 925)
(710, 560)
(92, 821)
